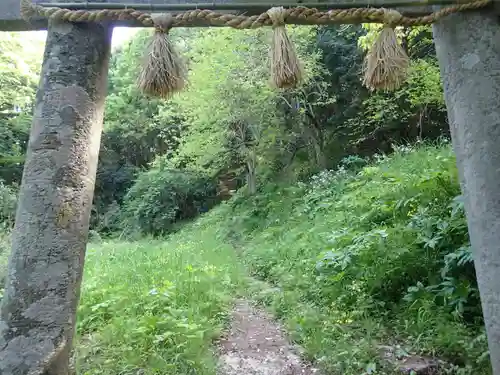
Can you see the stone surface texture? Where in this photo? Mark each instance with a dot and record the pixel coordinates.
(37, 314)
(468, 49)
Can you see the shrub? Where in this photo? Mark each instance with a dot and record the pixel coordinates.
(161, 197)
(380, 250)
(8, 204)
(4, 255)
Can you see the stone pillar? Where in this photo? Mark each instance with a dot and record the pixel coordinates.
(468, 50)
(37, 316)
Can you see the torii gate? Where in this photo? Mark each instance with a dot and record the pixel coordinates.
(45, 269)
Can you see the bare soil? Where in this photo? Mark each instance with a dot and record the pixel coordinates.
(257, 345)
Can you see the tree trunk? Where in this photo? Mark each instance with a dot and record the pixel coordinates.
(468, 49)
(252, 171)
(316, 136)
(37, 316)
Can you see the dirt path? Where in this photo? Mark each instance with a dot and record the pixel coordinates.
(257, 345)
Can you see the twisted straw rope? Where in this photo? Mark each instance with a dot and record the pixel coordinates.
(302, 14)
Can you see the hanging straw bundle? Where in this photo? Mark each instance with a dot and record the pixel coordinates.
(386, 64)
(163, 72)
(286, 70)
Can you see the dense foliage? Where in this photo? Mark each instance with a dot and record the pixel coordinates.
(19, 68)
(162, 197)
(366, 256)
(229, 122)
(353, 250)
(154, 307)
(353, 260)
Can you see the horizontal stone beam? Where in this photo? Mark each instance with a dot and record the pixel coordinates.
(10, 17)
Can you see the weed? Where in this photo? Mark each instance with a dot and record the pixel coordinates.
(366, 255)
(154, 306)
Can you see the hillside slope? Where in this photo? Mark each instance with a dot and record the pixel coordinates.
(358, 258)
(369, 256)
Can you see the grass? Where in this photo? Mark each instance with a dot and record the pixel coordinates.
(368, 255)
(154, 307)
(4, 255)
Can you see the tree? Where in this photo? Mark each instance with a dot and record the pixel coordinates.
(234, 120)
(19, 72)
(135, 132)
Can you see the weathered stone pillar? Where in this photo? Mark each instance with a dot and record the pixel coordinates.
(45, 268)
(468, 49)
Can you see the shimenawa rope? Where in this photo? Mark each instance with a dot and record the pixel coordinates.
(208, 17)
(385, 64)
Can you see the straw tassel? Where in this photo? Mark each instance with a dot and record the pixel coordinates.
(386, 64)
(163, 72)
(286, 69)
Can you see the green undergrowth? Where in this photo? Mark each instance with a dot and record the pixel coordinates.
(4, 256)
(154, 307)
(368, 256)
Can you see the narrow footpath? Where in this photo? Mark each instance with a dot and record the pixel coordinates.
(256, 345)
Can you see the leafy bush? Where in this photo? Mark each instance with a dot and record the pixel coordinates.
(366, 255)
(4, 255)
(160, 197)
(109, 221)
(8, 204)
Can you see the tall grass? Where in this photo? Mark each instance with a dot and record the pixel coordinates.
(4, 256)
(154, 307)
(369, 256)
(365, 256)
